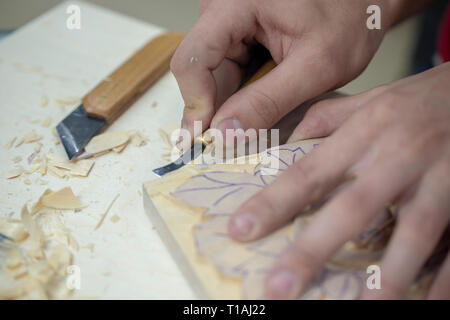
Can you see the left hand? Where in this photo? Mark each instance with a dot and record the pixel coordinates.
(395, 140)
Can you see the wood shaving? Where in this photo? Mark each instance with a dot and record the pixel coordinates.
(114, 218)
(17, 159)
(33, 169)
(99, 224)
(165, 138)
(44, 101)
(31, 226)
(119, 149)
(27, 181)
(47, 122)
(106, 142)
(67, 101)
(10, 143)
(38, 147)
(44, 166)
(57, 172)
(79, 168)
(13, 173)
(39, 206)
(139, 140)
(36, 273)
(13, 229)
(29, 138)
(61, 199)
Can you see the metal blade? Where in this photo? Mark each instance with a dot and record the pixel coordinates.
(77, 129)
(196, 150)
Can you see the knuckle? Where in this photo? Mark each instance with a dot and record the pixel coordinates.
(303, 260)
(423, 221)
(379, 115)
(266, 108)
(303, 172)
(177, 66)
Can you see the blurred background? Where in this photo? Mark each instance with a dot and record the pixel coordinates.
(397, 57)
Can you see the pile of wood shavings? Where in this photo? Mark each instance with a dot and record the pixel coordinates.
(39, 249)
(99, 145)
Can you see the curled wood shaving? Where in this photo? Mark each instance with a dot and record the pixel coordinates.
(31, 226)
(13, 229)
(106, 141)
(10, 143)
(99, 224)
(13, 173)
(38, 272)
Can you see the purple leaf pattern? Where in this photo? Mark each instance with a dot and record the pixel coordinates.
(221, 193)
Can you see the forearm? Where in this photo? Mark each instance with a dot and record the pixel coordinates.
(403, 9)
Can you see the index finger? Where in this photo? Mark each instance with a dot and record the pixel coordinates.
(220, 28)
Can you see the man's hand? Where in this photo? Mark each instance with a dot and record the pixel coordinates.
(318, 45)
(394, 141)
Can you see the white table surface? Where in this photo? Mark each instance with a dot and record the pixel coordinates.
(44, 58)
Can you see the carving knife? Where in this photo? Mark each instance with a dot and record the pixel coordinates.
(111, 97)
(199, 143)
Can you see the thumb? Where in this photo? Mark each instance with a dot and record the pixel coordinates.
(265, 101)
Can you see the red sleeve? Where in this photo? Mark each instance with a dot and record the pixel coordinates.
(444, 37)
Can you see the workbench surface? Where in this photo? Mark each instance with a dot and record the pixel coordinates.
(125, 259)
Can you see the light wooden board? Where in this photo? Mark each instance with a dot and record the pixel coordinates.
(190, 208)
(124, 259)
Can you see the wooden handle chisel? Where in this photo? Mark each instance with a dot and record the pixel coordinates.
(111, 97)
(199, 145)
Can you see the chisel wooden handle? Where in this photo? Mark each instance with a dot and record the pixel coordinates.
(121, 88)
(262, 71)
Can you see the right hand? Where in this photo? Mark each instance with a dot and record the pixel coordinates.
(318, 45)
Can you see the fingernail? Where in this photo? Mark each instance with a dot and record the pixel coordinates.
(229, 124)
(282, 284)
(244, 223)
